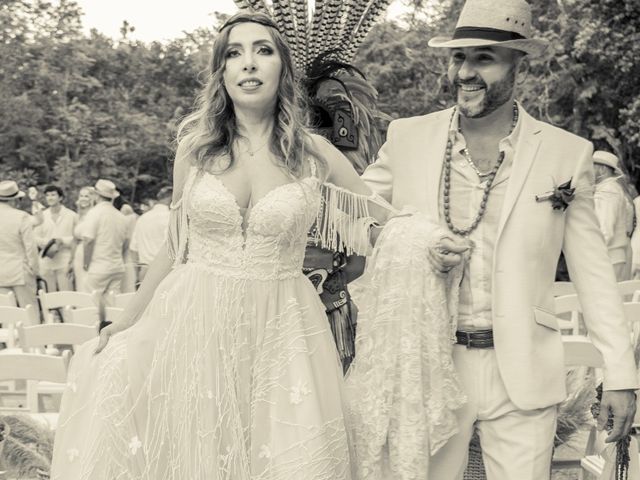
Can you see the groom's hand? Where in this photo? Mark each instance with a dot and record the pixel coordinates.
(622, 404)
(446, 254)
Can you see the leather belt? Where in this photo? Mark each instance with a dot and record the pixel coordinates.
(475, 339)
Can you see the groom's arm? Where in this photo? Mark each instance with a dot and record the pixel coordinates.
(379, 175)
(592, 273)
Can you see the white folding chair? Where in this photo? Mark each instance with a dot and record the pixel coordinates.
(9, 319)
(34, 368)
(89, 315)
(568, 310)
(579, 352)
(563, 288)
(628, 289)
(53, 300)
(8, 299)
(36, 338)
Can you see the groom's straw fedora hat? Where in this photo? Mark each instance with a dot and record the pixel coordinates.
(9, 190)
(486, 22)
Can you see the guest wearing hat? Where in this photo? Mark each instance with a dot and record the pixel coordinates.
(611, 209)
(104, 236)
(517, 191)
(55, 240)
(18, 251)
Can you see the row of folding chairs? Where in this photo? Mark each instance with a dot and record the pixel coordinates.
(629, 289)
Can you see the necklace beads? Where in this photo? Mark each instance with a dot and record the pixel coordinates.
(490, 177)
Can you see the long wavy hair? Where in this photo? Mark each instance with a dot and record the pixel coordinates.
(209, 132)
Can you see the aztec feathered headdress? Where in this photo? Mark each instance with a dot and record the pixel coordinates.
(324, 39)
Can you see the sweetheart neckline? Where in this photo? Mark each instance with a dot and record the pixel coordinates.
(245, 220)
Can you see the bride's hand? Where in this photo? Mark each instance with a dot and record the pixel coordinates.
(108, 331)
(447, 253)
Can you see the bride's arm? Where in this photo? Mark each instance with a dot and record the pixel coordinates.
(158, 269)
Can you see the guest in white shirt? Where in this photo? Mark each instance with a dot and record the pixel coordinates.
(611, 210)
(18, 252)
(104, 235)
(150, 232)
(55, 240)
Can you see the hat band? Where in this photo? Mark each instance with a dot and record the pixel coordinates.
(11, 195)
(486, 34)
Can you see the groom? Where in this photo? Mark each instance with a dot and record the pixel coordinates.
(488, 170)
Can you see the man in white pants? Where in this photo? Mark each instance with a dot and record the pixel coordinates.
(502, 181)
(105, 241)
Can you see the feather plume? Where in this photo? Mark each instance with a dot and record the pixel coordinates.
(354, 11)
(300, 10)
(370, 17)
(329, 20)
(313, 44)
(282, 15)
(255, 5)
(242, 4)
(28, 448)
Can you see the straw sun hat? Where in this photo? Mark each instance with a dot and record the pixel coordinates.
(485, 23)
(609, 159)
(106, 189)
(9, 190)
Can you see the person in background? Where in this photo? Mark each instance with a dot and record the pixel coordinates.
(150, 232)
(104, 235)
(18, 251)
(129, 278)
(86, 200)
(55, 240)
(612, 211)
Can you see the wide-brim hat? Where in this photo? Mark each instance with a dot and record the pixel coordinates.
(106, 189)
(485, 23)
(602, 157)
(9, 190)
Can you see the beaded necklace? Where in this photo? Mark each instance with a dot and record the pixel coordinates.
(490, 177)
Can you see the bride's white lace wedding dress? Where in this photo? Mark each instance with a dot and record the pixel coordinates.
(231, 372)
(402, 387)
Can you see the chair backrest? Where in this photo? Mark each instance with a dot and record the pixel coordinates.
(122, 299)
(39, 336)
(563, 288)
(567, 309)
(579, 351)
(34, 368)
(628, 288)
(49, 301)
(632, 314)
(8, 299)
(89, 315)
(10, 317)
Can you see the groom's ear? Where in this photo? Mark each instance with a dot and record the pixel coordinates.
(522, 69)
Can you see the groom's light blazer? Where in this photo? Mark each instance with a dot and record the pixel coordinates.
(530, 237)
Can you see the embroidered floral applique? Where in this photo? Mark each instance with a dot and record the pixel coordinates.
(265, 452)
(72, 454)
(134, 445)
(297, 392)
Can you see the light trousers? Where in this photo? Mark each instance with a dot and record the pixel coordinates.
(516, 444)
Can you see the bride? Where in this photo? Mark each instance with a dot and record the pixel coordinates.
(223, 366)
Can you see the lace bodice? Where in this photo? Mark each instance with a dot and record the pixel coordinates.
(269, 244)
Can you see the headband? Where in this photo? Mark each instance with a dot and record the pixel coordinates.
(267, 22)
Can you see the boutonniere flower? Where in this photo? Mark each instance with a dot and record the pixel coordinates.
(560, 197)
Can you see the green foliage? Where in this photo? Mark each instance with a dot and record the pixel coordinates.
(75, 107)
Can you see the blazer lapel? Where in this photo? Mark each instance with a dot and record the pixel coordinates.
(525, 153)
(434, 144)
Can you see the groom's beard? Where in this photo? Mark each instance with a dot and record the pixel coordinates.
(494, 96)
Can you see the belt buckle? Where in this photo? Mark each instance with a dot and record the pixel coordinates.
(469, 339)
